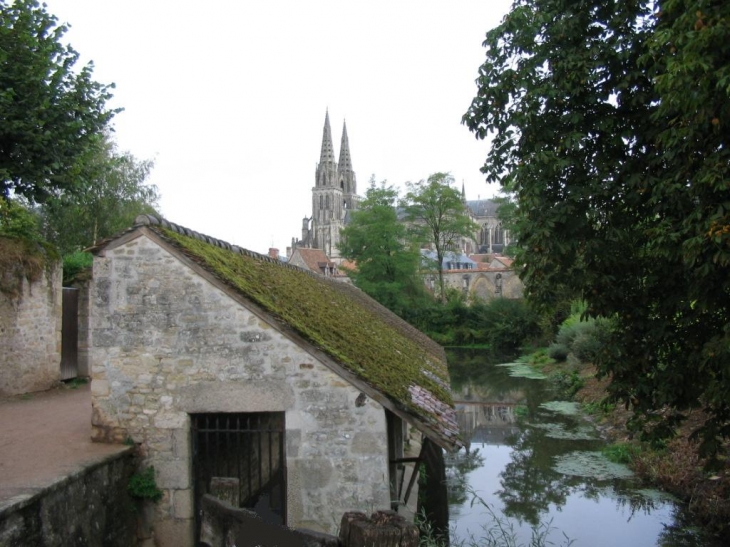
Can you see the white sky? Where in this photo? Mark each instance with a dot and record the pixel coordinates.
(229, 98)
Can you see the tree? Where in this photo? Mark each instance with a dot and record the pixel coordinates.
(387, 262)
(609, 123)
(439, 217)
(114, 194)
(49, 114)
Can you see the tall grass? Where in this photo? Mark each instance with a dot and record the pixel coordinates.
(497, 531)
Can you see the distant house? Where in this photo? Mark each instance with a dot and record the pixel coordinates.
(231, 368)
(316, 261)
(451, 260)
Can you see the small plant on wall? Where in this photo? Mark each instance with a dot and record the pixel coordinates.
(142, 485)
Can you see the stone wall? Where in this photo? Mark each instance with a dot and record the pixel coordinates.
(90, 508)
(482, 285)
(30, 335)
(166, 343)
(84, 336)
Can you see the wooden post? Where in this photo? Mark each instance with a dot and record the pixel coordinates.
(382, 529)
(435, 497)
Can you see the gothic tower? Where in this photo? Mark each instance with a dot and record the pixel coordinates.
(333, 196)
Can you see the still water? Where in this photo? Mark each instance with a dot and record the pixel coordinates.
(538, 465)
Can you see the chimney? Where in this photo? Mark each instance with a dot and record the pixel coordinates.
(274, 253)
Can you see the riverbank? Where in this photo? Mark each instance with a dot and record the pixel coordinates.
(677, 468)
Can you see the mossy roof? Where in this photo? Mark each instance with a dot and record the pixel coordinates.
(355, 331)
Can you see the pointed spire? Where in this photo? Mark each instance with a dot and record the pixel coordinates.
(463, 192)
(328, 153)
(345, 161)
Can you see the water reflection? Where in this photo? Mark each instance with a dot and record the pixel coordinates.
(536, 464)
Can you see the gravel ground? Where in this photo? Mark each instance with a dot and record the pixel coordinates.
(43, 438)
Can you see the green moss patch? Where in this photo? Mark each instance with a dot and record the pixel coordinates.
(335, 317)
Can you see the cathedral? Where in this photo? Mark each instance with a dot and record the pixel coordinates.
(334, 197)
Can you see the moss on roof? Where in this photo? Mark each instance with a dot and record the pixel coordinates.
(335, 317)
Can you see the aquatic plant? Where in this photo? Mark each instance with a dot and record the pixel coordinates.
(583, 463)
(498, 531)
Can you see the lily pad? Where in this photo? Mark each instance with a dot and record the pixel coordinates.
(567, 408)
(592, 465)
(521, 370)
(558, 431)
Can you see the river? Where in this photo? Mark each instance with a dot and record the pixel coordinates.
(537, 464)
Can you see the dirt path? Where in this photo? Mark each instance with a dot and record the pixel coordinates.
(44, 437)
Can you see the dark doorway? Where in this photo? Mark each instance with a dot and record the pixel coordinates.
(69, 333)
(240, 458)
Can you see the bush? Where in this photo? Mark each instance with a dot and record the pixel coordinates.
(559, 352)
(567, 383)
(584, 339)
(587, 345)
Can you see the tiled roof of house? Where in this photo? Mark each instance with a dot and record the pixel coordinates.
(358, 334)
(504, 260)
(312, 258)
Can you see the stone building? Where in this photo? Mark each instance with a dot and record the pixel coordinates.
(232, 369)
(491, 237)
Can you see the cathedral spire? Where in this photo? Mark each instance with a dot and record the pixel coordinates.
(345, 161)
(328, 153)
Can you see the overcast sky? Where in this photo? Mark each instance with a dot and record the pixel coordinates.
(229, 98)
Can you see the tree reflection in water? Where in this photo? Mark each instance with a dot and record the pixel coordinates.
(530, 488)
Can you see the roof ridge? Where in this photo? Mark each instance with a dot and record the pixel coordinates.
(153, 220)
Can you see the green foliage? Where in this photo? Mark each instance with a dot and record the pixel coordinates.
(537, 359)
(620, 452)
(75, 263)
(621, 179)
(599, 408)
(23, 253)
(500, 324)
(143, 486)
(588, 339)
(567, 383)
(559, 352)
(438, 216)
(18, 221)
(113, 192)
(387, 263)
(51, 112)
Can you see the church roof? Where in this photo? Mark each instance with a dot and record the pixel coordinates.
(327, 155)
(345, 163)
(362, 341)
(483, 207)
